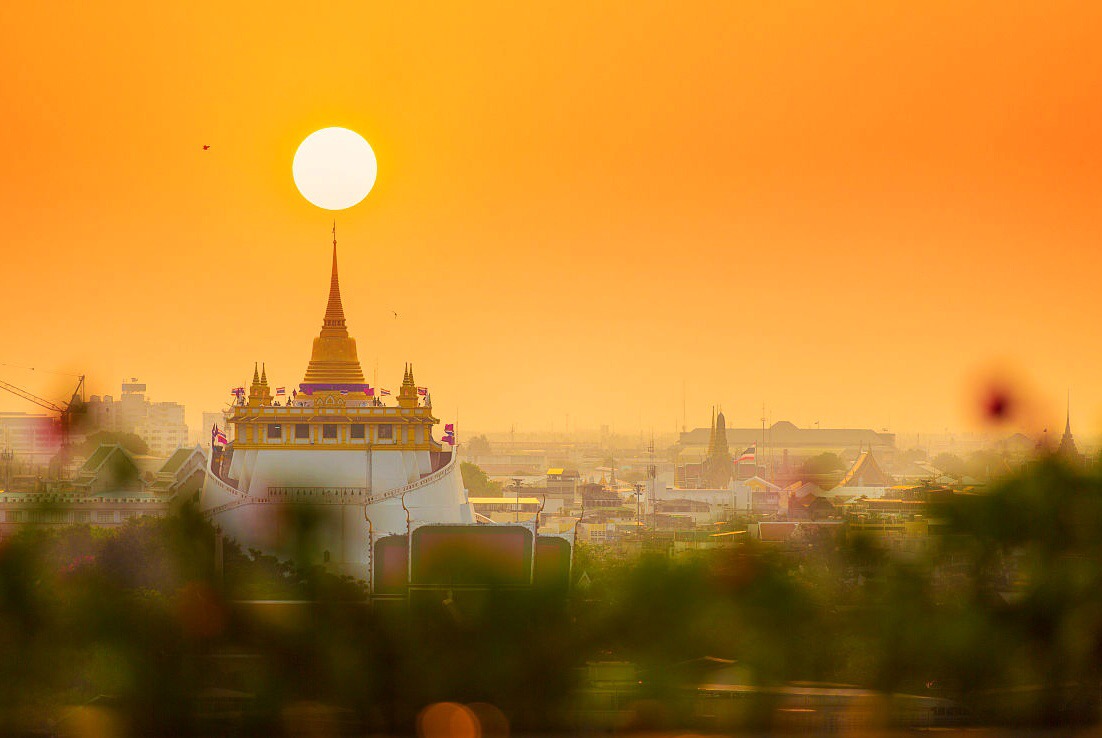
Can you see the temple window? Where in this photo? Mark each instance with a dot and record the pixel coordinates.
(302, 431)
(275, 431)
(358, 431)
(329, 431)
(386, 432)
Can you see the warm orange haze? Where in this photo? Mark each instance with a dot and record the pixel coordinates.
(475, 370)
(853, 213)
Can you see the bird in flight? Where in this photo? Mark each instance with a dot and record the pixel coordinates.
(206, 146)
(395, 314)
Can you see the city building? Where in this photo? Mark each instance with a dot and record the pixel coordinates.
(106, 491)
(785, 443)
(159, 424)
(334, 454)
(28, 440)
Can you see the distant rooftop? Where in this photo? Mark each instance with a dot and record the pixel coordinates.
(786, 433)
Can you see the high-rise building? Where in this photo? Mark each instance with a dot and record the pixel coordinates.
(159, 424)
(31, 439)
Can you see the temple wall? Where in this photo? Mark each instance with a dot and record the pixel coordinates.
(340, 530)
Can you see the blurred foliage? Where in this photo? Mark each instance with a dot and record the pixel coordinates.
(1003, 614)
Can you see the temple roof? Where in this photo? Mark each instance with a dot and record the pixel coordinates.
(865, 472)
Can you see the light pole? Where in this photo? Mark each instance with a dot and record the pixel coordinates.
(516, 485)
(638, 502)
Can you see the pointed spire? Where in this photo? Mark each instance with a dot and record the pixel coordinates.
(263, 374)
(1067, 441)
(1067, 425)
(334, 311)
(333, 359)
(712, 437)
(256, 374)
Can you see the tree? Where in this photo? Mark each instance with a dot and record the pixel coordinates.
(950, 464)
(911, 454)
(476, 481)
(479, 446)
(824, 463)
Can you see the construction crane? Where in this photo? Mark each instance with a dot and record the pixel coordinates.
(65, 412)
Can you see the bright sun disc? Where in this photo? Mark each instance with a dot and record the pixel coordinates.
(334, 168)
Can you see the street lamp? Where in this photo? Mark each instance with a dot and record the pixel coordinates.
(516, 485)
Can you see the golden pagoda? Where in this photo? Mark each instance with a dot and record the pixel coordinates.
(333, 360)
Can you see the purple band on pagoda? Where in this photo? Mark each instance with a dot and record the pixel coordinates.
(309, 389)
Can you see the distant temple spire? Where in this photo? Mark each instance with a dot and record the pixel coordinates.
(717, 469)
(1067, 447)
(712, 436)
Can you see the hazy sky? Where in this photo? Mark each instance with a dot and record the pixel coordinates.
(848, 211)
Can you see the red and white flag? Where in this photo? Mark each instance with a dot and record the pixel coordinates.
(422, 391)
(748, 454)
(281, 390)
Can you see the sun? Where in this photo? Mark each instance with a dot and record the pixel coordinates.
(334, 168)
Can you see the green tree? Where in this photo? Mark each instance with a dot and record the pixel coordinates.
(476, 481)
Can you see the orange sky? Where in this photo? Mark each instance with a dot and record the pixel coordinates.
(848, 211)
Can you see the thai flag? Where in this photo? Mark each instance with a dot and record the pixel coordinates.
(281, 390)
(384, 393)
(747, 455)
(422, 391)
(237, 391)
(449, 427)
(220, 437)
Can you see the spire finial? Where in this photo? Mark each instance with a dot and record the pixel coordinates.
(263, 373)
(334, 310)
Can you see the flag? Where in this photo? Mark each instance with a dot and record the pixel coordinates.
(237, 391)
(748, 454)
(370, 391)
(384, 393)
(449, 427)
(422, 391)
(220, 437)
(281, 390)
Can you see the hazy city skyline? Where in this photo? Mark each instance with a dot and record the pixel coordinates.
(854, 215)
